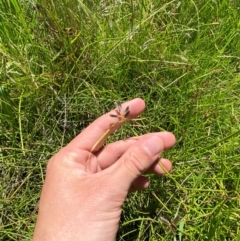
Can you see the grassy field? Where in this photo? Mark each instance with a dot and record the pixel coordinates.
(64, 63)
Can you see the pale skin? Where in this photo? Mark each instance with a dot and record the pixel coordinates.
(84, 190)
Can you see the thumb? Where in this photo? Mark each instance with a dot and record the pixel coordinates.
(136, 160)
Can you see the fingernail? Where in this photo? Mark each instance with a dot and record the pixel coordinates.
(153, 145)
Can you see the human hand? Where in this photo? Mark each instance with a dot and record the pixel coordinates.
(84, 191)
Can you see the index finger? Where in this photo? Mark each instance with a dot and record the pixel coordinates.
(98, 131)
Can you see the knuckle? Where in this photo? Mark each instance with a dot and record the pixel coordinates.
(133, 163)
(50, 165)
(61, 159)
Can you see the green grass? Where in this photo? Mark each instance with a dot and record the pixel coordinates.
(64, 63)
